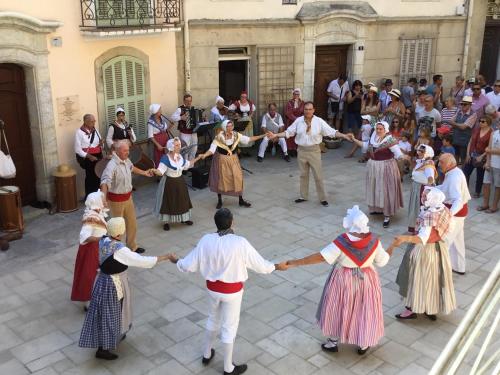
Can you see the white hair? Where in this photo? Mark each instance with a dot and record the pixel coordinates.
(120, 143)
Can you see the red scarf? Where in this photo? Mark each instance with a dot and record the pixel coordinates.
(357, 251)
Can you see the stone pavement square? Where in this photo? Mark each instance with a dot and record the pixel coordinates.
(40, 326)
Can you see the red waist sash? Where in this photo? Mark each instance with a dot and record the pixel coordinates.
(463, 211)
(222, 287)
(92, 150)
(114, 197)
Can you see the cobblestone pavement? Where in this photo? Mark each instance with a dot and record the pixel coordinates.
(40, 326)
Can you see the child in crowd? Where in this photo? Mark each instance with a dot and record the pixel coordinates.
(424, 137)
(447, 148)
(365, 133)
(405, 147)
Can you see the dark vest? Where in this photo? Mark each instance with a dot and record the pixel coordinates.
(182, 125)
(462, 137)
(119, 133)
(111, 266)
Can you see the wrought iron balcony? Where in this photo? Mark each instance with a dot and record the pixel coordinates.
(130, 14)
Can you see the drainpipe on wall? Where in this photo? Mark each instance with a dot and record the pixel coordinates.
(467, 38)
(187, 56)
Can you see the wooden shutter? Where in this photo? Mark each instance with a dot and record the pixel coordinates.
(416, 57)
(124, 87)
(276, 76)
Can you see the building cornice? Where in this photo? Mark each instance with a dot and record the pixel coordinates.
(29, 23)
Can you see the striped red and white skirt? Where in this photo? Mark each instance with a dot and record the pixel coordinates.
(351, 306)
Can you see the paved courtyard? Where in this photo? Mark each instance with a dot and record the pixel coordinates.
(40, 326)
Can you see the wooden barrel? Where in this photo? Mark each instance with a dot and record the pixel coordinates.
(66, 198)
(11, 214)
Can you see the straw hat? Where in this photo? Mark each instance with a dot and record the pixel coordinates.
(64, 170)
(466, 100)
(395, 92)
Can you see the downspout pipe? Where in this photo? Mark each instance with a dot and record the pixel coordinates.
(468, 28)
(187, 55)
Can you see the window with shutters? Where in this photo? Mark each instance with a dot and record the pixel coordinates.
(276, 76)
(416, 57)
(123, 78)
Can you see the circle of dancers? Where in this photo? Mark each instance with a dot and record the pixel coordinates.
(350, 309)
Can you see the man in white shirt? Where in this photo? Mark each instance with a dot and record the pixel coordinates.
(309, 131)
(185, 125)
(223, 258)
(384, 98)
(272, 122)
(88, 150)
(457, 194)
(429, 116)
(494, 96)
(336, 91)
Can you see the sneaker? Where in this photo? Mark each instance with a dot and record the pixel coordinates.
(206, 361)
(287, 158)
(244, 203)
(324, 203)
(166, 226)
(105, 354)
(238, 369)
(140, 250)
(259, 159)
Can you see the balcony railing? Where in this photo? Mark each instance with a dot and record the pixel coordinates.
(130, 14)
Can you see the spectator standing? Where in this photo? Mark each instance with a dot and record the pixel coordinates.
(336, 91)
(429, 117)
(457, 92)
(494, 95)
(408, 93)
(492, 174)
(479, 100)
(448, 111)
(354, 102)
(385, 98)
(463, 123)
(436, 90)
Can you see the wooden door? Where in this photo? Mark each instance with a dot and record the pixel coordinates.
(14, 112)
(330, 62)
(491, 51)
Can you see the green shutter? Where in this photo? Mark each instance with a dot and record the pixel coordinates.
(124, 87)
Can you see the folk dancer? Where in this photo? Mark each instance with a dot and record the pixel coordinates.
(309, 131)
(384, 193)
(244, 109)
(226, 176)
(424, 277)
(272, 122)
(116, 185)
(87, 258)
(185, 124)
(457, 195)
(294, 109)
(424, 174)
(88, 150)
(173, 204)
(218, 113)
(110, 316)
(223, 258)
(119, 130)
(350, 309)
(158, 126)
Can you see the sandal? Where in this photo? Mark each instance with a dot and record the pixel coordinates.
(482, 208)
(491, 211)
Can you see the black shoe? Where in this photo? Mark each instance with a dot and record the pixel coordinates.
(140, 250)
(206, 361)
(431, 317)
(324, 203)
(458, 273)
(219, 205)
(411, 316)
(287, 158)
(166, 226)
(244, 203)
(238, 369)
(105, 354)
(387, 222)
(363, 351)
(300, 200)
(376, 213)
(188, 222)
(330, 349)
(259, 159)
(123, 337)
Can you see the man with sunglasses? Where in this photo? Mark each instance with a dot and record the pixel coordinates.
(494, 96)
(463, 122)
(479, 100)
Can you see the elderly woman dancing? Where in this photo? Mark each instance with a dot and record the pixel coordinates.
(350, 309)
(87, 259)
(226, 176)
(384, 194)
(424, 173)
(173, 204)
(424, 277)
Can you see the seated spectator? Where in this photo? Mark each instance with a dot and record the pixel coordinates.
(272, 122)
(406, 148)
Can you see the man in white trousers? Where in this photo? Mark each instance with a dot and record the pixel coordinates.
(223, 258)
(457, 194)
(272, 122)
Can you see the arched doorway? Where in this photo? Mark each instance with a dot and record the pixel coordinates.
(14, 113)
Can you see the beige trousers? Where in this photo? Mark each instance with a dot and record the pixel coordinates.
(127, 211)
(310, 158)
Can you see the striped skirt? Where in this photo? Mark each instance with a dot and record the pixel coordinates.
(351, 306)
(430, 281)
(383, 186)
(102, 325)
(414, 203)
(226, 176)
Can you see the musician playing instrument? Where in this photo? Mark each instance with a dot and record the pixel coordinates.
(244, 109)
(226, 176)
(186, 124)
(158, 127)
(88, 149)
(218, 113)
(120, 129)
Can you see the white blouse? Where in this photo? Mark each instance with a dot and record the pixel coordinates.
(229, 142)
(332, 254)
(180, 164)
(89, 230)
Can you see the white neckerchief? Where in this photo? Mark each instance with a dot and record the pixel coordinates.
(373, 139)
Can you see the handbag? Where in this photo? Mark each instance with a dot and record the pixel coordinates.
(476, 162)
(7, 167)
